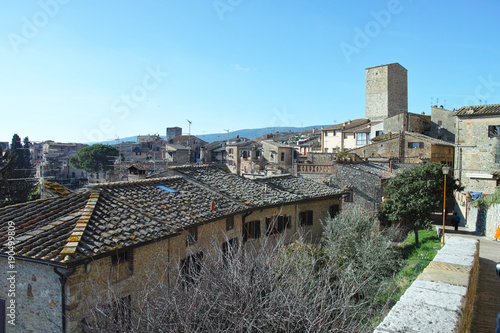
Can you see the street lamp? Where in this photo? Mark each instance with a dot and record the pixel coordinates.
(445, 169)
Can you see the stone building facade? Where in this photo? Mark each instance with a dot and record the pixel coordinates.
(278, 154)
(386, 91)
(443, 124)
(409, 122)
(172, 132)
(110, 244)
(408, 147)
(242, 156)
(478, 157)
(363, 183)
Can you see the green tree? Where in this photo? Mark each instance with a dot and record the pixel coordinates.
(414, 194)
(20, 181)
(6, 166)
(96, 158)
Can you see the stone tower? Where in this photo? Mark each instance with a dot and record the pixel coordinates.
(386, 91)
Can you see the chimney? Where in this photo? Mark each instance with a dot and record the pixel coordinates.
(212, 205)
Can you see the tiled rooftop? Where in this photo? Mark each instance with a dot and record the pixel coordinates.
(267, 191)
(244, 190)
(491, 109)
(348, 124)
(42, 227)
(303, 188)
(389, 136)
(106, 217)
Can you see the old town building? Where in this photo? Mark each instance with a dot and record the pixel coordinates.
(72, 251)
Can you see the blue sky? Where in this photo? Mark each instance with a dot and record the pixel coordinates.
(96, 70)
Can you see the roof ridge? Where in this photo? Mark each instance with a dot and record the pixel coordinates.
(82, 223)
(141, 181)
(39, 200)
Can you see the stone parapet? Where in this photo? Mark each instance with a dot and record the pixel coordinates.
(442, 298)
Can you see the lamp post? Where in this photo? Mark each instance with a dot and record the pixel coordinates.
(445, 169)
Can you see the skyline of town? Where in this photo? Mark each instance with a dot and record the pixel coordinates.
(230, 66)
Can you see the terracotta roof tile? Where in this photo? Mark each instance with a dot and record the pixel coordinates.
(479, 110)
(117, 215)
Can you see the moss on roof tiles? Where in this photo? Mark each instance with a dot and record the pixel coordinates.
(478, 110)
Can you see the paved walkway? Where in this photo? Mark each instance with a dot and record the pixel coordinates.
(487, 303)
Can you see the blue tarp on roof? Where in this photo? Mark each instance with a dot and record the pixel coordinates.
(475, 195)
(168, 189)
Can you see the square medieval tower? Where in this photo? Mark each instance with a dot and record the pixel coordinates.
(386, 91)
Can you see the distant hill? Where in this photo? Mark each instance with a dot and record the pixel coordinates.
(244, 133)
(254, 133)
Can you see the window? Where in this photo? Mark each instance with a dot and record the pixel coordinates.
(334, 132)
(117, 316)
(230, 151)
(334, 210)
(377, 133)
(346, 135)
(362, 139)
(251, 230)
(282, 157)
(121, 265)
(191, 236)
(229, 223)
(244, 154)
(277, 224)
(349, 196)
(413, 145)
(326, 150)
(440, 122)
(493, 131)
(306, 218)
(191, 267)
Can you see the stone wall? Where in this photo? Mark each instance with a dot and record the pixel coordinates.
(441, 300)
(443, 124)
(94, 284)
(478, 154)
(484, 221)
(366, 186)
(37, 297)
(380, 149)
(321, 158)
(386, 91)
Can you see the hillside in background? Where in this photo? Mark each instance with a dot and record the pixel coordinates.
(244, 133)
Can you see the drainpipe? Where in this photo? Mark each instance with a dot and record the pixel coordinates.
(460, 166)
(243, 221)
(63, 277)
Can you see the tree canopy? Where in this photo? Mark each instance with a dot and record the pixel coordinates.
(16, 173)
(96, 158)
(414, 194)
(338, 286)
